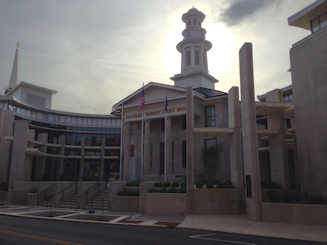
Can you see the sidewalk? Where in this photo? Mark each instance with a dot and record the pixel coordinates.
(238, 224)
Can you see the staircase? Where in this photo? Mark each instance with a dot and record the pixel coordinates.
(69, 203)
(101, 200)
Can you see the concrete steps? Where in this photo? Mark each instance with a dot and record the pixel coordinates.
(100, 201)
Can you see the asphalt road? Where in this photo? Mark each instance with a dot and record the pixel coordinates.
(24, 231)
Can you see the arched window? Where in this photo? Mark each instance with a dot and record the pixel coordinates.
(200, 23)
(194, 21)
(188, 22)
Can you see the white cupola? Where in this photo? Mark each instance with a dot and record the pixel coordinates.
(194, 48)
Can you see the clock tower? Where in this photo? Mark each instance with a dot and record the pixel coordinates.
(194, 48)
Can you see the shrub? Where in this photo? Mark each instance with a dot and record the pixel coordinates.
(209, 184)
(133, 183)
(273, 195)
(216, 182)
(126, 192)
(175, 184)
(199, 185)
(181, 190)
(163, 190)
(317, 199)
(153, 190)
(167, 184)
(159, 184)
(172, 190)
(183, 184)
(228, 184)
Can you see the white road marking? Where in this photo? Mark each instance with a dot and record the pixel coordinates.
(201, 237)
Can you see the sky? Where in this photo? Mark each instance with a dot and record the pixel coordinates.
(95, 53)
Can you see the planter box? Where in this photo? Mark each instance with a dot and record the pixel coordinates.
(217, 201)
(126, 203)
(306, 214)
(165, 203)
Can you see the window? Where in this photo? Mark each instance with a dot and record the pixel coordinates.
(183, 154)
(132, 150)
(210, 119)
(319, 23)
(188, 58)
(194, 21)
(188, 22)
(184, 122)
(204, 60)
(197, 57)
(200, 23)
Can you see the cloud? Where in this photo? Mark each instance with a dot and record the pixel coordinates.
(234, 12)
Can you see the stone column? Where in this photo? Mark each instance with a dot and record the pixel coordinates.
(41, 161)
(279, 167)
(6, 129)
(82, 165)
(61, 142)
(235, 139)
(103, 145)
(127, 150)
(249, 135)
(169, 147)
(19, 145)
(147, 147)
(189, 151)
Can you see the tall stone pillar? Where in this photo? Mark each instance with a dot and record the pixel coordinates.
(279, 167)
(103, 145)
(189, 151)
(147, 147)
(235, 140)
(41, 161)
(61, 142)
(19, 145)
(127, 150)
(6, 129)
(82, 165)
(249, 135)
(169, 147)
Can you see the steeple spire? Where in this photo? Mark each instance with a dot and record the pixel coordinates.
(14, 73)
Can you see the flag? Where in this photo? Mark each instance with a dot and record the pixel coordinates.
(166, 104)
(142, 104)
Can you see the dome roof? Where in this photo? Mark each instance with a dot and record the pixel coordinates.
(193, 10)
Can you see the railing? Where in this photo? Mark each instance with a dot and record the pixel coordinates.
(45, 194)
(62, 192)
(85, 193)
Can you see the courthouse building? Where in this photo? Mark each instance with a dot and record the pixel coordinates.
(270, 139)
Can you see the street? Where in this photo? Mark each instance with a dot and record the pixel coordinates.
(26, 231)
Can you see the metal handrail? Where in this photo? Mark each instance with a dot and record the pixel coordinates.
(63, 191)
(45, 193)
(86, 192)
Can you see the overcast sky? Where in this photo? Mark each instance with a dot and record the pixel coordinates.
(95, 53)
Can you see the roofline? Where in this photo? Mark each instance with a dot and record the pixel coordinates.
(26, 84)
(285, 89)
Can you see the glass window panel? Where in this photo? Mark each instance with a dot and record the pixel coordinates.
(23, 112)
(56, 118)
(95, 122)
(39, 115)
(50, 118)
(89, 121)
(118, 122)
(99, 122)
(68, 119)
(62, 119)
(188, 58)
(33, 114)
(197, 57)
(28, 113)
(19, 111)
(315, 25)
(74, 120)
(45, 117)
(210, 116)
(84, 121)
(79, 121)
(323, 20)
(113, 122)
(104, 122)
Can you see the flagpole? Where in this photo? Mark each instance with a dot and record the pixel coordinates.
(166, 137)
(121, 141)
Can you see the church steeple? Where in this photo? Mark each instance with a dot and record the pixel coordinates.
(14, 73)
